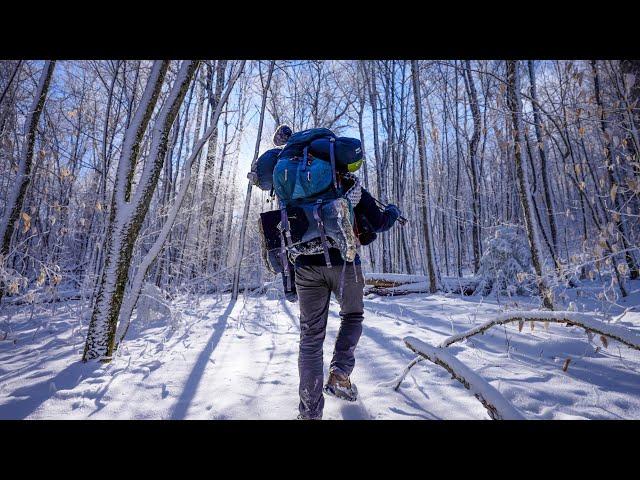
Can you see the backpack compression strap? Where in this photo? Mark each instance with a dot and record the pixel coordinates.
(284, 223)
(332, 156)
(323, 237)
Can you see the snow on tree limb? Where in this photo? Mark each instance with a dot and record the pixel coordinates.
(615, 332)
(135, 132)
(497, 406)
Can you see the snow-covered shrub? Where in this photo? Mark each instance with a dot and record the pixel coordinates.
(152, 306)
(11, 280)
(505, 266)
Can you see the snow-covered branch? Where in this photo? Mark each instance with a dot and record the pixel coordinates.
(497, 406)
(590, 324)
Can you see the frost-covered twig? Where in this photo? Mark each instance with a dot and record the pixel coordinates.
(396, 382)
(497, 406)
(590, 324)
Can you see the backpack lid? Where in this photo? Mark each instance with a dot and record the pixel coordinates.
(301, 139)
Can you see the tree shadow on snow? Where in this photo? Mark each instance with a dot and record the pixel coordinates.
(191, 385)
(38, 393)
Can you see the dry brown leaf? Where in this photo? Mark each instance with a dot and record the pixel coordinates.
(604, 341)
(26, 219)
(41, 278)
(614, 190)
(622, 268)
(14, 286)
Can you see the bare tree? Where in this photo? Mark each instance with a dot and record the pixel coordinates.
(127, 218)
(526, 202)
(426, 220)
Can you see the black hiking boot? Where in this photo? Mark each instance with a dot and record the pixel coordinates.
(340, 386)
(304, 417)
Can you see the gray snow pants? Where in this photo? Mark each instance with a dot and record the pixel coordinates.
(314, 285)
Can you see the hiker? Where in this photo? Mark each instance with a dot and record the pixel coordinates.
(312, 240)
(315, 282)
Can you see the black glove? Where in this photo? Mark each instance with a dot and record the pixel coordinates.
(392, 211)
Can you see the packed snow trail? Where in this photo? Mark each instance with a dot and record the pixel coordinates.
(225, 360)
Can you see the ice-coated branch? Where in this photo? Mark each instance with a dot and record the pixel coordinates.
(497, 406)
(590, 324)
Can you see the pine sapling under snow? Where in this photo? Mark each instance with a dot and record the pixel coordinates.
(505, 266)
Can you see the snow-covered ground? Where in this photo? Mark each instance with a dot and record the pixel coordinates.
(239, 361)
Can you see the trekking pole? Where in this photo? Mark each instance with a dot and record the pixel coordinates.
(401, 219)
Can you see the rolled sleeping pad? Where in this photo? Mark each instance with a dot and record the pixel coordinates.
(347, 152)
(264, 168)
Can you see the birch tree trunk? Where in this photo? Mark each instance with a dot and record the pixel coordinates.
(247, 200)
(526, 202)
(132, 297)
(127, 217)
(428, 240)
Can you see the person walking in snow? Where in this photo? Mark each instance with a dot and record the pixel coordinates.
(315, 282)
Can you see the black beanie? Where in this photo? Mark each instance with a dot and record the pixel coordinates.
(282, 135)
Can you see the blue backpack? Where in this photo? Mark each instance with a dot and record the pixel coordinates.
(305, 181)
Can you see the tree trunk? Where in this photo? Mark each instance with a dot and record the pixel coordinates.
(422, 155)
(247, 200)
(473, 164)
(543, 162)
(127, 217)
(153, 252)
(513, 99)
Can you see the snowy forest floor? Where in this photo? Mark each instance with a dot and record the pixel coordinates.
(219, 360)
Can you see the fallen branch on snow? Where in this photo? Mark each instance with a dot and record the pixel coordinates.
(590, 324)
(387, 280)
(479, 386)
(389, 284)
(497, 406)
